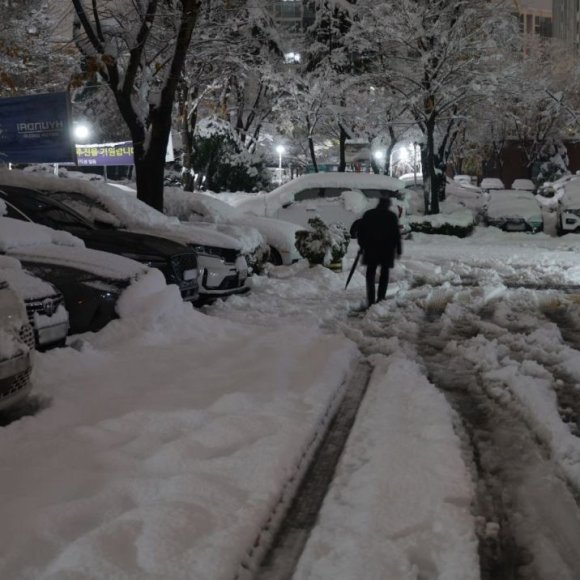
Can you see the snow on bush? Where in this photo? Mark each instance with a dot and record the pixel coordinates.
(323, 244)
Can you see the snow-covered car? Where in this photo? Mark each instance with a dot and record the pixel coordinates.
(44, 304)
(91, 282)
(222, 266)
(463, 179)
(550, 193)
(513, 211)
(491, 183)
(524, 185)
(254, 247)
(333, 197)
(568, 218)
(194, 207)
(16, 348)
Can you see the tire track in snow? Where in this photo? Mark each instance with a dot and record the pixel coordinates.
(566, 386)
(529, 519)
(498, 551)
(281, 560)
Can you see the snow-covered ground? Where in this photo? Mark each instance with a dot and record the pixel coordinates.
(171, 438)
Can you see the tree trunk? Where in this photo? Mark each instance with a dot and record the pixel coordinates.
(342, 149)
(312, 154)
(431, 170)
(188, 119)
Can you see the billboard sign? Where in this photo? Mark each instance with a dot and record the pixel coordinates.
(113, 153)
(105, 154)
(36, 129)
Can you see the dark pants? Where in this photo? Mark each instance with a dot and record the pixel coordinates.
(383, 281)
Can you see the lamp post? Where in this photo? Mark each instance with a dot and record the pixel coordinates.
(280, 150)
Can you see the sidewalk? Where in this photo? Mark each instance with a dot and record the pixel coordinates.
(166, 446)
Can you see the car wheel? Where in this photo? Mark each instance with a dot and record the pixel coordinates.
(275, 257)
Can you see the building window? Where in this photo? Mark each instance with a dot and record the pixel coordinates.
(543, 26)
(292, 57)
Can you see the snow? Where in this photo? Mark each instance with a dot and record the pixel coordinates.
(168, 474)
(177, 429)
(269, 203)
(186, 206)
(403, 437)
(508, 206)
(26, 286)
(488, 183)
(28, 241)
(120, 207)
(524, 184)
(18, 235)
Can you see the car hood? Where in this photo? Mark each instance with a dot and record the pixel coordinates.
(123, 242)
(94, 262)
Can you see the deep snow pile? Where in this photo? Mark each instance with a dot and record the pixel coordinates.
(168, 438)
(171, 433)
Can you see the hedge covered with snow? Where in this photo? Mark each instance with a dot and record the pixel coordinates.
(459, 223)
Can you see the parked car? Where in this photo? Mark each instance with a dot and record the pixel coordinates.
(194, 207)
(44, 304)
(16, 348)
(90, 281)
(550, 193)
(333, 197)
(524, 185)
(177, 262)
(513, 211)
(465, 179)
(568, 216)
(223, 269)
(491, 183)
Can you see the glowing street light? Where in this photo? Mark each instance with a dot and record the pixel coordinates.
(81, 132)
(280, 150)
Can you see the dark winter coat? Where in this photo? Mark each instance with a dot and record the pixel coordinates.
(379, 236)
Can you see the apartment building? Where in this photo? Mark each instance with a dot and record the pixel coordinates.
(535, 17)
(566, 15)
(292, 18)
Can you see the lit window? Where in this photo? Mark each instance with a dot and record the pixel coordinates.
(292, 57)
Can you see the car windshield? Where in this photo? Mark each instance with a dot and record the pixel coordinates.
(90, 209)
(45, 213)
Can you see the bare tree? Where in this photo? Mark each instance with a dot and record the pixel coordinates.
(139, 48)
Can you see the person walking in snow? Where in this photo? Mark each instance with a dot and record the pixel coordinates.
(379, 238)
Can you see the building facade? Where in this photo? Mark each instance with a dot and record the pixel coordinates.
(535, 18)
(566, 15)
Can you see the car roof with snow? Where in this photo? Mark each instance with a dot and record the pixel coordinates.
(337, 179)
(33, 242)
(491, 183)
(129, 211)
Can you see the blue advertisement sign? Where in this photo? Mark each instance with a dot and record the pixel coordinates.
(36, 129)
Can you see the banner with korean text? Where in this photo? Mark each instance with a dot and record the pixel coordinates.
(113, 153)
(36, 129)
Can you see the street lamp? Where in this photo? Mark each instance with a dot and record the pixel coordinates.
(280, 150)
(379, 156)
(81, 132)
